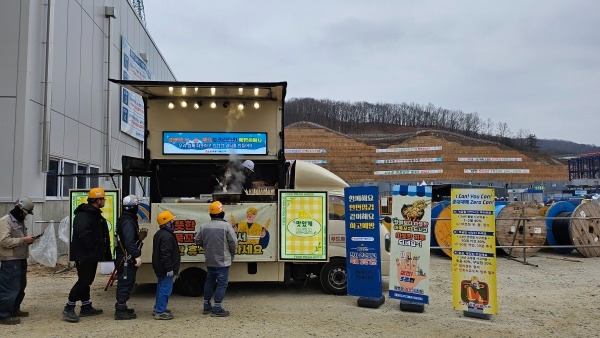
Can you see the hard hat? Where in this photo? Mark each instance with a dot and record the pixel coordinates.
(248, 165)
(252, 210)
(96, 193)
(26, 204)
(215, 208)
(164, 217)
(130, 201)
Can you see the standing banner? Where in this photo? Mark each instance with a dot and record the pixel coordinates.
(303, 225)
(474, 251)
(409, 251)
(363, 255)
(110, 211)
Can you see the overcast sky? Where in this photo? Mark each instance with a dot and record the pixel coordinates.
(533, 64)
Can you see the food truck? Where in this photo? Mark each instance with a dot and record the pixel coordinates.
(289, 223)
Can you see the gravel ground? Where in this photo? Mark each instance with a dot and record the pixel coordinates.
(558, 298)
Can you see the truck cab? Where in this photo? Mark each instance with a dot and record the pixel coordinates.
(197, 137)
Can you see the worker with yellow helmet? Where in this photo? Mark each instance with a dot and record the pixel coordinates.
(165, 262)
(219, 241)
(90, 244)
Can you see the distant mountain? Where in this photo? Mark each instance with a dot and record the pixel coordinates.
(564, 148)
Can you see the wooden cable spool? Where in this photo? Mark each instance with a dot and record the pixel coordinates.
(443, 230)
(586, 231)
(511, 224)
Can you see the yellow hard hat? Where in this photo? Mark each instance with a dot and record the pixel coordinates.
(164, 217)
(215, 208)
(252, 210)
(96, 193)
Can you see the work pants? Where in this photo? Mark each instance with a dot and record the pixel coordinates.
(125, 285)
(13, 280)
(86, 272)
(164, 287)
(217, 279)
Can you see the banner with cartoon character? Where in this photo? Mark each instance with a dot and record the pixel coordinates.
(252, 222)
(303, 225)
(473, 250)
(409, 251)
(363, 255)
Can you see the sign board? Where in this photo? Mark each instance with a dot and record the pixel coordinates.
(303, 225)
(410, 243)
(473, 250)
(133, 67)
(363, 255)
(185, 143)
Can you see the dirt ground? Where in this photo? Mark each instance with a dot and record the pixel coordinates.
(558, 298)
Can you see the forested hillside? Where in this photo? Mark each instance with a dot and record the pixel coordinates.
(394, 118)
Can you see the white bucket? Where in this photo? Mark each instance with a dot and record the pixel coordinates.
(106, 268)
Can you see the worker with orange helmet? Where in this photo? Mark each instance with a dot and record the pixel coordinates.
(219, 241)
(165, 262)
(90, 244)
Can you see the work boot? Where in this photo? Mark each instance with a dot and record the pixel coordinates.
(10, 321)
(124, 315)
(167, 311)
(219, 312)
(164, 316)
(20, 313)
(207, 309)
(88, 310)
(69, 314)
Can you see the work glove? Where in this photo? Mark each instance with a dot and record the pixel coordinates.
(170, 273)
(142, 234)
(138, 262)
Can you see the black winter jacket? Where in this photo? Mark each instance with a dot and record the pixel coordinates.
(128, 231)
(91, 239)
(165, 253)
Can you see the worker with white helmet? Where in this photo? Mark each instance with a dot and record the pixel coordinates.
(13, 261)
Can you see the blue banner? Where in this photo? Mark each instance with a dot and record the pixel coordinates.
(214, 143)
(363, 255)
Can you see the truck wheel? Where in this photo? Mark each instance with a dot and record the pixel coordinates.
(334, 277)
(190, 282)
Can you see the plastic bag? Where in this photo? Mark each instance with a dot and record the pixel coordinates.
(44, 250)
(63, 230)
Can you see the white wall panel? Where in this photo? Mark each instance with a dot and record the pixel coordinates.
(73, 60)
(97, 146)
(85, 81)
(59, 71)
(98, 79)
(9, 46)
(57, 133)
(7, 139)
(37, 51)
(71, 138)
(84, 149)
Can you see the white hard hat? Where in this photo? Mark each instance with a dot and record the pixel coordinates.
(248, 165)
(26, 204)
(130, 201)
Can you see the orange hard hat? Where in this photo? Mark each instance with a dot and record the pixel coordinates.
(96, 193)
(215, 208)
(164, 217)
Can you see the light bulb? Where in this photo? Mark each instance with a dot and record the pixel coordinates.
(256, 105)
(213, 105)
(196, 105)
(170, 89)
(241, 106)
(241, 90)
(255, 91)
(171, 105)
(196, 89)
(213, 91)
(183, 104)
(183, 90)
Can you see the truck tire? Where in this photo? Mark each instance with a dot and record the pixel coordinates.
(334, 277)
(190, 282)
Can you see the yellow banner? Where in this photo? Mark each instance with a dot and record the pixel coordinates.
(255, 225)
(474, 251)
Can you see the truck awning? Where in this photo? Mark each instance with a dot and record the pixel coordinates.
(271, 91)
